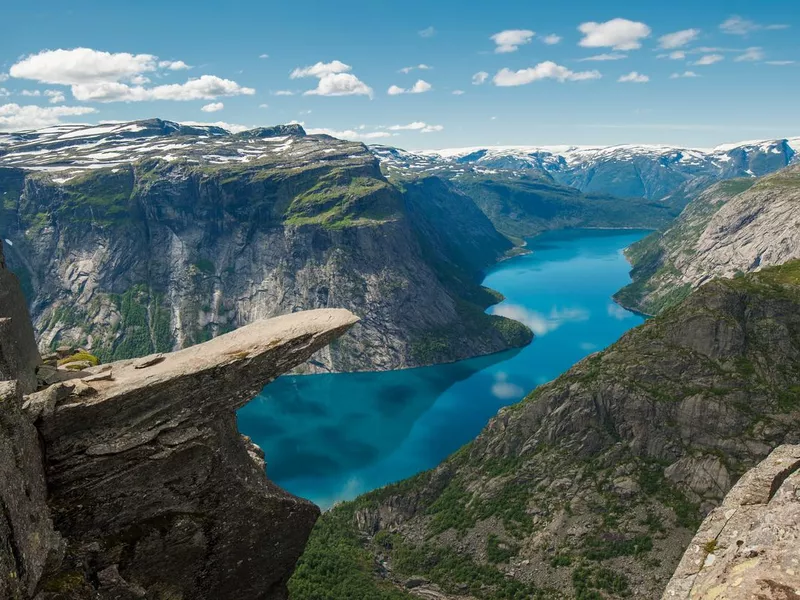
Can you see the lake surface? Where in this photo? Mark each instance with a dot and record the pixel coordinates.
(332, 437)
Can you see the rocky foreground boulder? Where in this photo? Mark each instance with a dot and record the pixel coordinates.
(130, 480)
(749, 546)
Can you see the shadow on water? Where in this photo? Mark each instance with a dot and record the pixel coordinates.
(331, 437)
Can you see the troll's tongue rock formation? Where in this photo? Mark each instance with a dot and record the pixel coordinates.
(154, 490)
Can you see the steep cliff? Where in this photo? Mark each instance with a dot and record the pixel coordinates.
(733, 227)
(151, 236)
(594, 485)
(131, 480)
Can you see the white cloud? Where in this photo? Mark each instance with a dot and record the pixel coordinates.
(340, 84)
(458, 92)
(173, 65)
(82, 66)
(685, 74)
(633, 77)
(349, 134)
(31, 93)
(417, 126)
(4, 92)
(479, 77)
(678, 38)
(511, 39)
(334, 80)
(551, 39)
(779, 63)
(263, 56)
(619, 34)
(604, 57)
(421, 67)
(213, 107)
(321, 69)
(14, 117)
(676, 55)
(283, 93)
(420, 87)
(751, 54)
(54, 96)
(736, 25)
(206, 87)
(3, 77)
(395, 90)
(708, 59)
(540, 323)
(502, 389)
(263, 106)
(427, 32)
(544, 70)
(617, 312)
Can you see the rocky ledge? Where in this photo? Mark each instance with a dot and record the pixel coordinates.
(151, 492)
(748, 546)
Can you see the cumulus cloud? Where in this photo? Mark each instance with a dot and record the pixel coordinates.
(551, 39)
(675, 55)
(604, 57)
(751, 54)
(685, 74)
(349, 134)
(458, 92)
(54, 96)
(321, 69)
(420, 87)
(427, 32)
(511, 39)
(420, 126)
(480, 77)
(421, 67)
(708, 59)
(31, 93)
(541, 323)
(283, 93)
(14, 117)
(736, 25)
(335, 79)
(633, 77)
(173, 65)
(206, 87)
(213, 107)
(678, 38)
(619, 34)
(119, 77)
(544, 70)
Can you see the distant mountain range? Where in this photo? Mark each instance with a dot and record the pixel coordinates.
(646, 171)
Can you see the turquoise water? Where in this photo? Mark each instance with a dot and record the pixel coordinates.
(331, 437)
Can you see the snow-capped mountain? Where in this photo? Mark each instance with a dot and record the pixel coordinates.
(648, 171)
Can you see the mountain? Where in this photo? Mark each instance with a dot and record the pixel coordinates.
(645, 171)
(732, 227)
(150, 236)
(593, 486)
(522, 203)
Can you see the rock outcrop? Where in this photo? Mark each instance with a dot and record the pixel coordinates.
(749, 546)
(731, 228)
(130, 480)
(594, 485)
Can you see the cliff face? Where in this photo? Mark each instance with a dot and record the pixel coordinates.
(595, 483)
(748, 546)
(733, 227)
(130, 480)
(154, 239)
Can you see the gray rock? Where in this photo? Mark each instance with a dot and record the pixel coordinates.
(748, 546)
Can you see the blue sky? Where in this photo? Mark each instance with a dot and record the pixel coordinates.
(730, 72)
